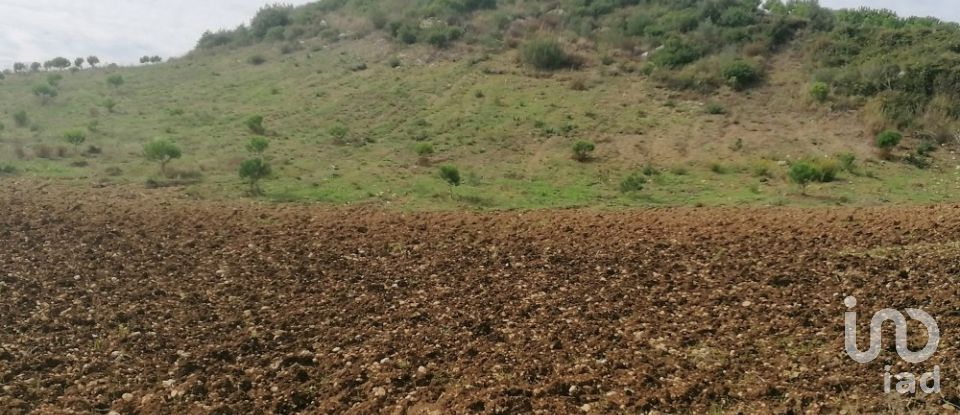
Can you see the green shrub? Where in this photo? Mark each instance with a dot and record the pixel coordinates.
(256, 60)
(339, 134)
(804, 172)
(715, 109)
(270, 17)
(820, 91)
(258, 145)
(109, 105)
(547, 55)
(161, 151)
(741, 74)
(583, 150)
(848, 162)
(676, 53)
(75, 137)
(255, 124)
(254, 170)
(54, 79)
(45, 93)
(20, 119)
(424, 149)
(7, 169)
(888, 140)
(115, 80)
(633, 183)
(451, 175)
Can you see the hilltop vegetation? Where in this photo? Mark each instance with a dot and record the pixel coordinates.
(680, 102)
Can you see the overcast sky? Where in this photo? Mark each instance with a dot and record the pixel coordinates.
(123, 30)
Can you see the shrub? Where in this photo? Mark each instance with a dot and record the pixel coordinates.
(54, 79)
(258, 145)
(887, 141)
(394, 62)
(583, 150)
(339, 134)
(161, 151)
(633, 183)
(803, 173)
(424, 149)
(676, 53)
(741, 74)
(451, 175)
(848, 162)
(110, 105)
(546, 55)
(7, 169)
(255, 124)
(115, 80)
(21, 119)
(715, 109)
(254, 170)
(820, 91)
(75, 137)
(270, 17)
(256, 60)
(45, 92)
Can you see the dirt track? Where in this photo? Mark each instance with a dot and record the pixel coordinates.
(150, 303)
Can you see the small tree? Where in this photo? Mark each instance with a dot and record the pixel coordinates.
(54, 79)
(254, 170)
(803, 173)
(887, 141)
(116, 81)
(156, 59)
(258, 145)
(820, 91)
(451, 175)
(78, 62)
(61, 63)
(583, 150)
(93, 61)
(161, 151)
(45, 92)
(110, 105)
(35, 66)
(144, 59)
(19, 67)
(255, 124)
(424, 149)
(75, 137)
(21, 119)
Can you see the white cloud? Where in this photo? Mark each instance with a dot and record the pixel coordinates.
(115, 30)
(123, 30)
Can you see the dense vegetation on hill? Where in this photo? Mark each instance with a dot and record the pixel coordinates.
(537, 103)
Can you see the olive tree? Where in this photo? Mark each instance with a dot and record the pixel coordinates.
(254, 170)
(162, 151)
(75, 137)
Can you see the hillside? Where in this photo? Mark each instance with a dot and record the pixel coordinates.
(362, 106)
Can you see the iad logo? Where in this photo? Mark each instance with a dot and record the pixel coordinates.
(907, 381)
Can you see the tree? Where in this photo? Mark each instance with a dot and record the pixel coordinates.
(54, 79)
(93, 61)
(269, 17)
(116, 81)
(582, 150)
(45, 92)
(35, 67)
(60, 63)
(255, 124)
(21, 119)
(254, 170)
(156, 59)
(161, 151)
(887, 141)
(451, 175)
(110, 105)
(258, 145)
(47, 65)
(144, 59)
(19, 67)
(75, 137)
(803, 173)
(78, 62)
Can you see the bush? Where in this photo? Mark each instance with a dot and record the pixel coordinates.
(254, 170)
(7, 169)
(848, 162)
(21, 119)
(255, 124)
(161, 151)
(424, 149)
(741, 74)
(115, 80)
(258, 145)
(676, 53)
(808, 171)
(583, 150)
(256, 60)
(110, 105)
(75, 137)
(45, 92)
(451, 175)
(633, 183)
(270, 17)
(339, 134)
(820, 91)
(546, 55)
(887, 141)
(715, 109)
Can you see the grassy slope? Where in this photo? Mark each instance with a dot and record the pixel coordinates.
(500, 137)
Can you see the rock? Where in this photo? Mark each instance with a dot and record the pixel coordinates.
(379, 392)
(127, 397)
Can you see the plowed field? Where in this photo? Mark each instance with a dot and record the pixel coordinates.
(146, 302)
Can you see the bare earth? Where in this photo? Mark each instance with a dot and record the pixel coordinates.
(145, 302)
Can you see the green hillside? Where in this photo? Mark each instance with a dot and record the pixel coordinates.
(685, 102)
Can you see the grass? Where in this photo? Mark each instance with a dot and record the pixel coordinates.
(515, 139)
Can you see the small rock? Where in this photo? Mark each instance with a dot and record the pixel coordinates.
(127, 397)
(379, 392)
(586, 407)
(421, 371)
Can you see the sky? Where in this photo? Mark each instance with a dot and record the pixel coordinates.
(120, 31)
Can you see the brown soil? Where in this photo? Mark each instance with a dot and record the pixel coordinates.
(151, 303)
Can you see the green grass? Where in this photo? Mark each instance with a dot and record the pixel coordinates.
(512, 143)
